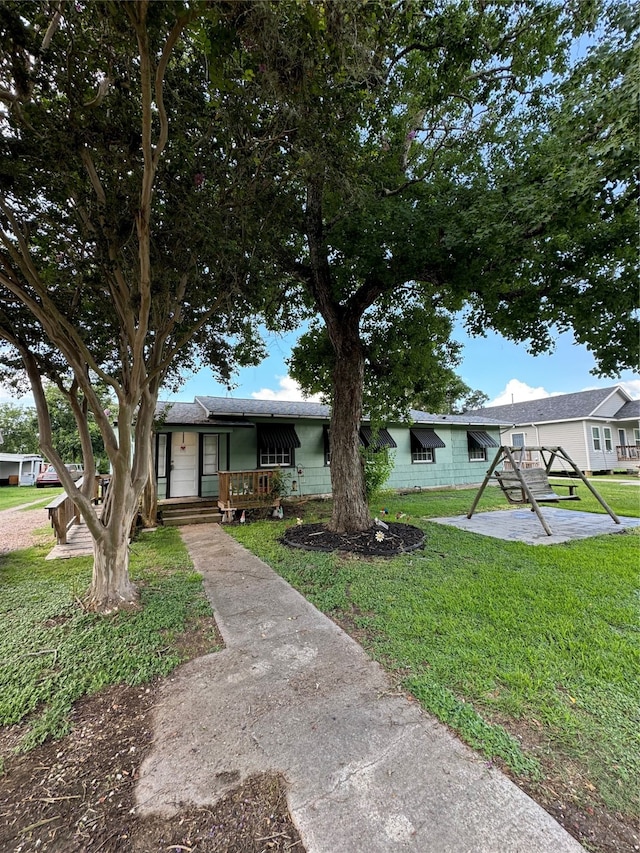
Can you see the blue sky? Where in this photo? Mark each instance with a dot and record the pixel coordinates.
(502, 370)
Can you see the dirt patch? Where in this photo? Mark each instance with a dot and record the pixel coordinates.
(378, 541)
(19, 526)
(77, 794)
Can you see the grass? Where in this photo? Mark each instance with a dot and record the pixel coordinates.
(13, 496)
(52, 652)
(530, 653)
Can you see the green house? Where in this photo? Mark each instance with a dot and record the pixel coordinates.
(198, 444)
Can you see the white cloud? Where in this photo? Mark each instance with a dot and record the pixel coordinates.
(632, 387)
(519, 392)
(288, 390)
(516, 391)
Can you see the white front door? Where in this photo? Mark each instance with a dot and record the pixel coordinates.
(184, 465)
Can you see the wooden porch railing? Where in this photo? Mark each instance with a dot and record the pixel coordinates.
(628, 453)
(63, 513)
(246, 490)
(525, 461)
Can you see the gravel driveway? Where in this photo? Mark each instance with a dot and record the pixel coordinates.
(17, 528)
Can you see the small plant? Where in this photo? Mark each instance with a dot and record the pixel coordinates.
(378, 465)
(279, 483)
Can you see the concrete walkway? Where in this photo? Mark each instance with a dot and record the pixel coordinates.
(367, 770)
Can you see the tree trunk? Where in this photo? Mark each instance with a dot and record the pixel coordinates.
(149, 503)
(350, 508)
(111, 588)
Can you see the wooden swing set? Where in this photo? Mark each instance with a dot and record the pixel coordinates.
(531, 485)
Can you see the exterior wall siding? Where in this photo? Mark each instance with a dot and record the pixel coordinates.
(609, 408)
(312, 476)
(569, 436)
(602, 459)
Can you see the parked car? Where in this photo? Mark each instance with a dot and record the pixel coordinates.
(50, 477)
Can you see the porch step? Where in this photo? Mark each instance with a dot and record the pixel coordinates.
(181, 511)
(202, 518)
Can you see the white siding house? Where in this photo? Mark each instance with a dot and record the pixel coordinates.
(599, 429)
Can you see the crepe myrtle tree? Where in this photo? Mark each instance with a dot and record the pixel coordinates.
(125, 234)
(438, 153)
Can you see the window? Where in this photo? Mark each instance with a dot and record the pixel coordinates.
(636, 437)
(477, 443)
(209, 454)
(276, 444)
(423, 445)
(423, 454)
(275, 456)
(161, 455)
(517, 439)
(608, 444)
(595, 435)
(326, 440)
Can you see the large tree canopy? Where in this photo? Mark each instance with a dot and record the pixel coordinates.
(388, 163)
(444, 159)
(129, 217)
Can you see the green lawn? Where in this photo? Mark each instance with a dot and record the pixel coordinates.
(53, 653)
(530, 653)
(12, 496)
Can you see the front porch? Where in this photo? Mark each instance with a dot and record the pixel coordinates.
(240, 490)
(629, 454)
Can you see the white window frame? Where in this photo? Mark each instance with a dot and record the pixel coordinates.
(636, 437)
(608, 441)
(521, 440)
(423, 455)
(274, 457)
(477, 454)
(595, 438)
(209, 454)
(162, 454)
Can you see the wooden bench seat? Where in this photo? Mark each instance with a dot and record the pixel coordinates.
(537, 483)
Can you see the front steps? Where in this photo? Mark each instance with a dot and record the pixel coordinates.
(176, 512)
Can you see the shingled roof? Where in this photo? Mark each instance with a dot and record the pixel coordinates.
(563, 407)
(208, 410)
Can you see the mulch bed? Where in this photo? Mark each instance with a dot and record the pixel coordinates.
(388, 541)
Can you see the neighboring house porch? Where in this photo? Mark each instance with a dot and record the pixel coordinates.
(599, 428)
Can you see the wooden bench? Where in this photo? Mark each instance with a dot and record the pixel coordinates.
(537, 483)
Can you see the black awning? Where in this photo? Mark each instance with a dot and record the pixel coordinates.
(427, 438)
(376, 440)
(277, 437)
(480, 438)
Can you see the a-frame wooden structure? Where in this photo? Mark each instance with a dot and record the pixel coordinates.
(531, 485)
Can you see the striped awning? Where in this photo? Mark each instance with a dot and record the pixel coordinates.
(480, 438)
(427, 438)
(376, 439)
(277, 437)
